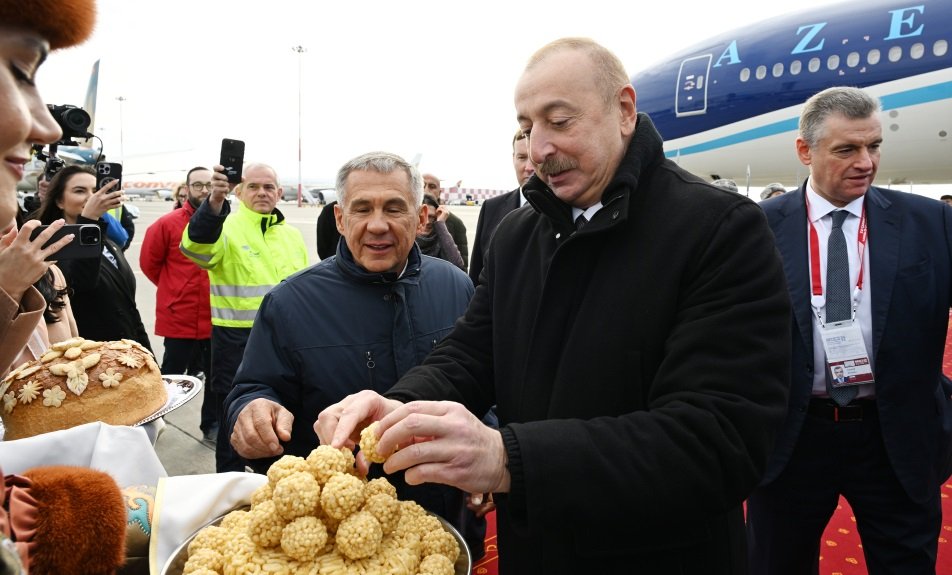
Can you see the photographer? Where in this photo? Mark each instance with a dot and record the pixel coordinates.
(104, 288)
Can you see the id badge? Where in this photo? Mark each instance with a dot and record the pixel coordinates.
(846, 354)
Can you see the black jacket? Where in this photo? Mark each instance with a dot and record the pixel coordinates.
(490, 215)
(104, 295)
(640, 368)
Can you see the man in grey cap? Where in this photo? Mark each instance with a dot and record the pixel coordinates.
(771, 190)
(726, 183)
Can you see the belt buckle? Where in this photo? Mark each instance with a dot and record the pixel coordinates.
(847, 413)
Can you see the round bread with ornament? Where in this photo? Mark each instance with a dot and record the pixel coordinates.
(80, 381)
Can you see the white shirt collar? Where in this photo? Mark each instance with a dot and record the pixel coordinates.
(576, 212)
(820, 207)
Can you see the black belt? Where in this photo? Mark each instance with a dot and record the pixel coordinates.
(856, 410)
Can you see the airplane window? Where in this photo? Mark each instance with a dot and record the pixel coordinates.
(778, 69)
(940, 48)
(795, 67)
(833, 62)
(873, 57)
(814, 64)
(895, 53)
(745, 75)
(761, 72)
(852, 59)
(917, 51)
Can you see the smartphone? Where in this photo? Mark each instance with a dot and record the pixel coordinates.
(107, 172)
(232, 157)
(86, 243)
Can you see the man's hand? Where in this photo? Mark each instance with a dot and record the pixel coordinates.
(442, 442)
(340, 424)
(260, 428)
(221, 187)
(442, 213)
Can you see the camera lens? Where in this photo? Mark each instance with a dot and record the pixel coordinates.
(89, 235)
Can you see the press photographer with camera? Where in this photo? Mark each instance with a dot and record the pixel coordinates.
(104, 288)
(75, 123)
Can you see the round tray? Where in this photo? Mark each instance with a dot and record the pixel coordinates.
(176, 563)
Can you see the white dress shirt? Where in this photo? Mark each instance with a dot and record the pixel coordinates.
(819, 214)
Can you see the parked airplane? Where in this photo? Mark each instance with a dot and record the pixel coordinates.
(728, 107)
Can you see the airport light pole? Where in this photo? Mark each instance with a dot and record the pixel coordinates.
(122, 149)
(300, 52)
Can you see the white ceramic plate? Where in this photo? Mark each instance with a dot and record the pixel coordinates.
(180, 388)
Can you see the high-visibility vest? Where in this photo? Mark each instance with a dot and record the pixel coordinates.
(253, 253)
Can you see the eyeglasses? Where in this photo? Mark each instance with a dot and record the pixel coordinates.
(197, 186)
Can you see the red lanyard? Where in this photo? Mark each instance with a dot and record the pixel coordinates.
(815, 251)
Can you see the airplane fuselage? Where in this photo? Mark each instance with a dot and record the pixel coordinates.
(730, 106)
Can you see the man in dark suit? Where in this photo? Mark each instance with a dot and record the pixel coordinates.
(495, 209)
(883, 444)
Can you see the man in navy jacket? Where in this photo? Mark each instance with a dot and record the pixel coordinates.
(358, 320)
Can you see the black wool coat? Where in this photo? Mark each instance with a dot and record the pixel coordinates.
(640, 367)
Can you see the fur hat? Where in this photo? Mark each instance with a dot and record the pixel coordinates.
(65, 520)
(63, 23)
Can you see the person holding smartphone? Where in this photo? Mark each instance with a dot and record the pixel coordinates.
(104, 288)
(247, 251)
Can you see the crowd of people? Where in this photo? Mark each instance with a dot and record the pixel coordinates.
(631, 355)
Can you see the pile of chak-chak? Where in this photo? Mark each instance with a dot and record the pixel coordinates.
(316, 517)
(80, 381)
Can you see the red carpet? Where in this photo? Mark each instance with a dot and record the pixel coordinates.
(841, 552)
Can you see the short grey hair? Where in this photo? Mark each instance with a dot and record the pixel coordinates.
(852, 103)
(383, 163)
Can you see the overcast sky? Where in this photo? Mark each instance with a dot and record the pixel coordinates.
(428, 78)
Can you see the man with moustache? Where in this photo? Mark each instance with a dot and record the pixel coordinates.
(869, 271)
(182, 309)
(495, 209)
(637, 358)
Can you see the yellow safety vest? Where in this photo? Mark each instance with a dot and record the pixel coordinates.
(253, 253)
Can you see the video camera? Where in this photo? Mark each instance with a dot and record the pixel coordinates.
(74, 122)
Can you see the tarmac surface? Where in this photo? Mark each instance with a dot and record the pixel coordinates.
(179, 445)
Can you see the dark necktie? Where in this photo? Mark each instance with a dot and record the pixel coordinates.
(838, 300)
(580, 221)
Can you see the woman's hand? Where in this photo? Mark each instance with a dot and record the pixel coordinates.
(103, 200)
(23, 261)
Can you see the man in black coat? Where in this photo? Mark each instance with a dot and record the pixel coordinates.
(638, 360)
(495, 209)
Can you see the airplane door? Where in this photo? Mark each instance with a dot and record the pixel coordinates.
(691, 94)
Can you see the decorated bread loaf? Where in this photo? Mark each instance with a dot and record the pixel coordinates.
(80, 381)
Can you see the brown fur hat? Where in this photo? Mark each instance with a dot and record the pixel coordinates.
(81, 522)
(62, 22)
